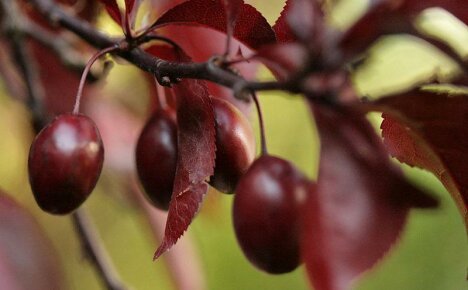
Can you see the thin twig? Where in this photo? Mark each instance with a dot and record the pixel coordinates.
(88, 235)
(95, 251)
(76, 108)
(159, 67)
(162, 69)
(261, 125)
(65, 50)
(24, 61)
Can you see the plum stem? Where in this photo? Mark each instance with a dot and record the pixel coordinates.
(76, 108)
(161, 96)
(263, 145)
(95, 251)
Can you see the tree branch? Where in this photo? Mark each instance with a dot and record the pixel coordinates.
(167, 72)
(15, 29)
(160, 68)
(23, 60)
(95, 251)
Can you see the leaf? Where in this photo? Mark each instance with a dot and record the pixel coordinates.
(430, 131)
(214, 43)
(56, 79)
(281, 27)
(129, 6)
(391, 17)
(113, 10)
(163, 51)
(252, 28)
(27, 260)
(361, 204)
(301, 20)
(456, 7)
(196, 159)
(233, 8)
(131, 9)
(305, 19)
(282, 59)
(380, 19)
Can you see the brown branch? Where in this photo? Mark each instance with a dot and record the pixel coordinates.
(167, 72)
(95, 251)
(64, 49)
(12, 27)
(162, 69)
(15, 30)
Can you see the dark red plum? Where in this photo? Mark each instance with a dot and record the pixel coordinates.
(266, 214)
(235, 146)
(65, 161)
(156, 157)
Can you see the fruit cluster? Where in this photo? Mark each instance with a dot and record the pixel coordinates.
(66, 159)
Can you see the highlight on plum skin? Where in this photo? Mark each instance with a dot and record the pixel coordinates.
(65, 162)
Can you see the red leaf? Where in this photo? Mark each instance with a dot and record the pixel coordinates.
(282, 59)
(393, 16)
(305, 19)
(163, 51)
(233, 8)
(252, 28)
(281, 27)
(87, 9)
(429, 130)
(59, 81)
(379, 20)
(131, 9)
(56, 78)
(196, 158)
(301, 20)
(456, 7)
(113, 9)
(361, 203)
(129, 6)
(214, 43)
(27, 260)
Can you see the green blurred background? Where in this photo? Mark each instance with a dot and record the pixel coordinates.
(432, 253)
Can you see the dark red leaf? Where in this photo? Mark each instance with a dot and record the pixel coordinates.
(380, 19)
(456, 7)
(113, 9)
(282, 59)
(129, 6)
(361, 204)
(165, 52)
(281, 27)
(27, 260)
(56, 79)
(131, 9)
(301, 20)
(214, 43)
(305, 19)
(393, 16)
(87, 9)
(233, 8)
(430, 131)
(252, 28)
(196, 158)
